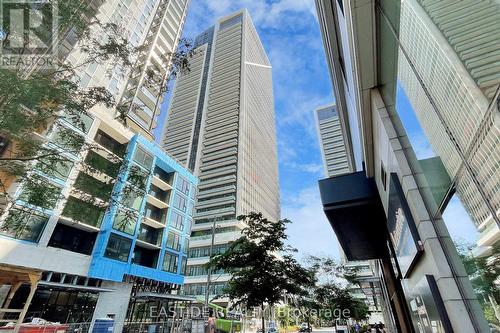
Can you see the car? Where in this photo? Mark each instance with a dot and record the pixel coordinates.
(272, 330)
(304, 327)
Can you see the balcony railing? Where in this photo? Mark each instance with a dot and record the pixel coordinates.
(92, 186)
(159, 194)
(163, 175)
(155, 214)
(83, 212)
(110, 144)
(100, 163)
(150, 235)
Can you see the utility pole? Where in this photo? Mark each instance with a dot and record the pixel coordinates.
(209, 275)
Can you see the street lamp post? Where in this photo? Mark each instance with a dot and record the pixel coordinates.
(209, 275)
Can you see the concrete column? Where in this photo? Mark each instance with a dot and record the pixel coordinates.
(113, 304)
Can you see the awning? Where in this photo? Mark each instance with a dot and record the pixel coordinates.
(353, 207)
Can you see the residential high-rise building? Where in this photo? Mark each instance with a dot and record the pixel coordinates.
(156, 26)
(221, 124)
(418, 81)
(112, 229)
(333, 139)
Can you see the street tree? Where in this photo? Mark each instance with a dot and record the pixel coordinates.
(263, 268)
(484, 273)
(329, 298)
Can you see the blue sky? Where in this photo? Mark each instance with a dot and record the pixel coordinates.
(290, 34)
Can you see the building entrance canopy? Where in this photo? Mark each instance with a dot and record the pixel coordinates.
(353, 208)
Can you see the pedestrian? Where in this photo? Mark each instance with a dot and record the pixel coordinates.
(380, 328)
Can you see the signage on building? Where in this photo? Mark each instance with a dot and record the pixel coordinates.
(402, 230)
(427, 311)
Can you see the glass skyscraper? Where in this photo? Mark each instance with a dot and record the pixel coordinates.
(221, 125)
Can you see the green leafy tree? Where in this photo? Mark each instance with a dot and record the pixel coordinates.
(262, 266)
(330, 295)
(484, 273)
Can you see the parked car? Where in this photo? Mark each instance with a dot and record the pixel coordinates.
(304, 327)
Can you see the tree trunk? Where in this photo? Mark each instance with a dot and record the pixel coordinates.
(263, 319)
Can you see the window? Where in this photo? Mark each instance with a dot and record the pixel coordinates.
(183, 265)
(177, 221)
(173, 241)
(118, 248)
(180, 202)
(58, 169)
(170, 262)
(132, 198)
(193, 192)
(109, 143)
(383, 176)
(142, 158)
(83, 212)
(67, 139)
(191, 208)
(24, 225)
(189, 225)
(72, 239)
(150, 235)
(92, 186)
(39, 192)
(204, 251)
(137, 177)
(186, 245)
(182, 185)
(99, 163)
(125, 221)
(82, 121)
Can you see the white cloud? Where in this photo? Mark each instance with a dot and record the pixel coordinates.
(300, 110)
(310, 231)
(314, 168)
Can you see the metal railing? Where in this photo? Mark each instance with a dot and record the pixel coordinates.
(183, 326)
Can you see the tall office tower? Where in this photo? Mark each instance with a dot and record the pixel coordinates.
(334, 142)
(221, 125)
(157, 26)
(454, 90)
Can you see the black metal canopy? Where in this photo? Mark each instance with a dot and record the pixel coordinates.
(352, 205)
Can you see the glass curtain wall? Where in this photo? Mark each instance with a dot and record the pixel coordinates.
(447, 124)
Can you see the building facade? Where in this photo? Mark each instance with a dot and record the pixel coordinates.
(156, 26)
(112, 229)
(121, 214)
(418, 81)
(221, 125)
(332, 135)
(463, 57)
